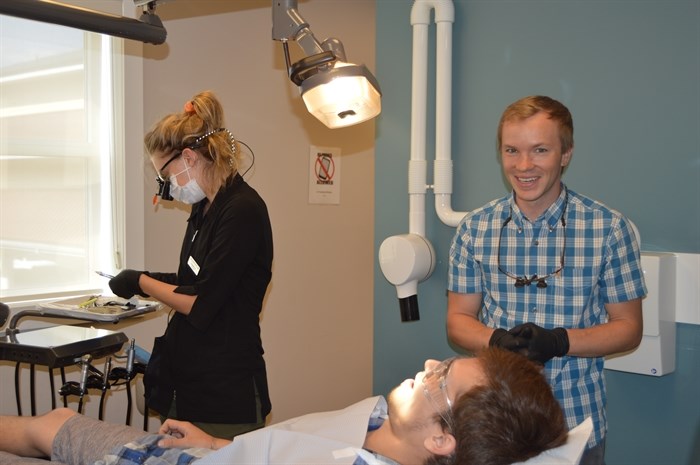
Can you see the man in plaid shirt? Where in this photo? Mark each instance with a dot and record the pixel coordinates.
(547, 272)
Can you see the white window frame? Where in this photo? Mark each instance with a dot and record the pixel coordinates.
(112, 247)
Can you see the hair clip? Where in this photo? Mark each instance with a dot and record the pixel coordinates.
(189, 108)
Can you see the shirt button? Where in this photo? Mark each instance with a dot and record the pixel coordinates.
(537, 242)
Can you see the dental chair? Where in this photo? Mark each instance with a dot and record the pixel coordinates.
(568, 454)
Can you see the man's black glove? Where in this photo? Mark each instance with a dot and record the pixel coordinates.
(508, 341)
(542, 344)
(126, 284)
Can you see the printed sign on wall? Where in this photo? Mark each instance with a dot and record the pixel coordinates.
(324, 175)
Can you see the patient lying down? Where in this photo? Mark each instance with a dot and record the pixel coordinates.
(495, 408)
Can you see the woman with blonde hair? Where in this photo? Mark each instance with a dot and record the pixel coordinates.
(208, 367)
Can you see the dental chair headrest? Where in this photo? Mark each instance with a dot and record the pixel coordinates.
(568, 454)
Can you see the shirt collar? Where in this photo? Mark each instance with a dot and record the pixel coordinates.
(551, 216)
(232, 184)
(376, 458)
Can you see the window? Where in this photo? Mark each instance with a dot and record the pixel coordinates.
(58, 124)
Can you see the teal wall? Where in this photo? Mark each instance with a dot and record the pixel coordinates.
(629, 70)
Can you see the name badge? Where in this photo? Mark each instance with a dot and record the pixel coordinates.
(193, 265)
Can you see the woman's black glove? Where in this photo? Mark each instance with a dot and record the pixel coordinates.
(126, 284)
(542, 344)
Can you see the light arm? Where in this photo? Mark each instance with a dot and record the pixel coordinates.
(287, 24)
(148, 29)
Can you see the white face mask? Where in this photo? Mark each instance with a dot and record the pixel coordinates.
(190, 193)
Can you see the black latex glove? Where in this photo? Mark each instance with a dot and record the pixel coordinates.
(542, 344)
(126, 284)
(508, 341)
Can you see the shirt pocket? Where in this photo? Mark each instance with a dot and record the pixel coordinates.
(578, 293)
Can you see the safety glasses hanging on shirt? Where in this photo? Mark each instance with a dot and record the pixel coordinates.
(541, 282)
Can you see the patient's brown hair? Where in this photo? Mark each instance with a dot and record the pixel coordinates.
(511, 418)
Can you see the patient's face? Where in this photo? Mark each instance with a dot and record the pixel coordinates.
(411, 411)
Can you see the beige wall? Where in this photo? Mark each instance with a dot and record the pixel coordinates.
(317, 319)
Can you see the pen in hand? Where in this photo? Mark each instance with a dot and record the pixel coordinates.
(133, 301)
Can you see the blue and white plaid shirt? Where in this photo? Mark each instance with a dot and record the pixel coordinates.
(601, 265)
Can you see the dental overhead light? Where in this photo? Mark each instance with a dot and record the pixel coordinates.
(336, 92)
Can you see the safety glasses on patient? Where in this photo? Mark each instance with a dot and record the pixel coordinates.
(435, 390)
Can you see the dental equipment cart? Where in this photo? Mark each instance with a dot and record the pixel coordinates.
(65, 345)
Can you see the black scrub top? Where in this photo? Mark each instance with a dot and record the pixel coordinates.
(213, 357)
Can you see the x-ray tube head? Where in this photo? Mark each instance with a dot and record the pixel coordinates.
(406, 260)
